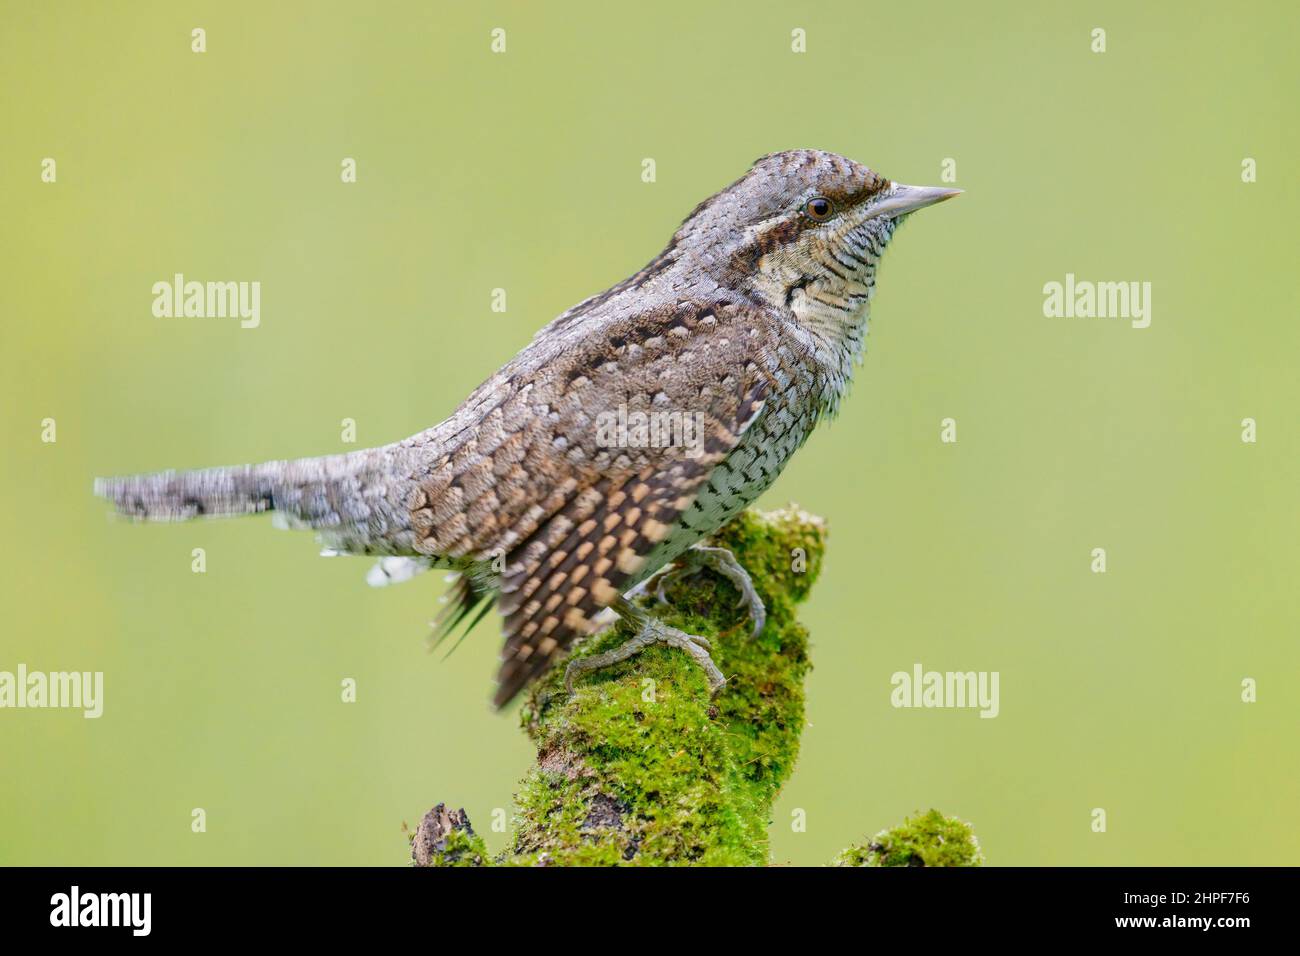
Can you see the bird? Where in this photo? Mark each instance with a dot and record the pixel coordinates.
(626, 432)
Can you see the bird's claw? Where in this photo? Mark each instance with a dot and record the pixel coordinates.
(724, 563)
(715, 559)
(651, 631)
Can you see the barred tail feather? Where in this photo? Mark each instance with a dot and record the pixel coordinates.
(180, 496)
(357, 501)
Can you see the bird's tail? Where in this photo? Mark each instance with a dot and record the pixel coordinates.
(359, 495)
(179, 496)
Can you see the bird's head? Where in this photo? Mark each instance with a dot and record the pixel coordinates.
(804, 229)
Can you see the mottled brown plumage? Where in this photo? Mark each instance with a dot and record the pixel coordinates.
(746, 327)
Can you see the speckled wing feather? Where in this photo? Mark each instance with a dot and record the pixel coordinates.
(569, 505)
(590, 552)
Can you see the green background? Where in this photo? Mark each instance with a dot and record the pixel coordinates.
(522, 171)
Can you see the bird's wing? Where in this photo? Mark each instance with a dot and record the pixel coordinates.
(569, 496)
(694, 363)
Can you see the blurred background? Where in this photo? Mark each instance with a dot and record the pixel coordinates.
(522, 171)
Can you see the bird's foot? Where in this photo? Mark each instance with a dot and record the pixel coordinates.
(718, 560)
(651, 631)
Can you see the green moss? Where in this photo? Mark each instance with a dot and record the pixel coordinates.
(464, 850)
(928, 839)
(640, 767)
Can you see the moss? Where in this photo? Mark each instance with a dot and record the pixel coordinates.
(928, 839)
(640, 767)
(464, 850)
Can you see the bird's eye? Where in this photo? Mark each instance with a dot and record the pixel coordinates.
(819, 208)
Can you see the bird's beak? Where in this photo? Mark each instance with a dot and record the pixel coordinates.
(905, 199)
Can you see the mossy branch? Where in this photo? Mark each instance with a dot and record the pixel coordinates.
(927, 839)
(640, 766)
